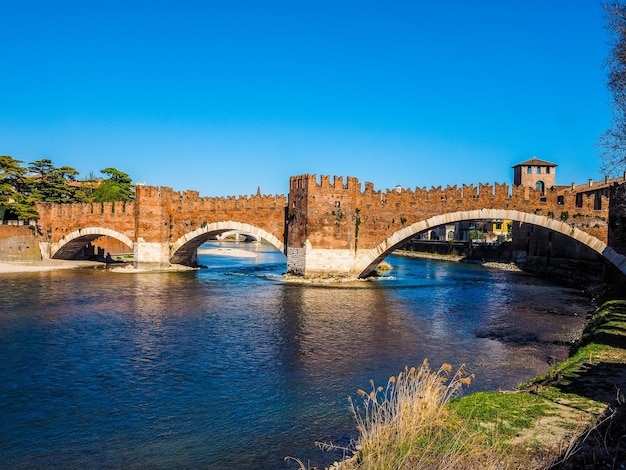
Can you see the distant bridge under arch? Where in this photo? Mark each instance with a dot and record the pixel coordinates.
(185, 249)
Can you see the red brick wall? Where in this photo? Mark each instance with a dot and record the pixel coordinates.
(160, 214)
(18, 243)
(58, 220)
(325, 212)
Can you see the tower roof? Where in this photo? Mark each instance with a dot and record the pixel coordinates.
(535, 162)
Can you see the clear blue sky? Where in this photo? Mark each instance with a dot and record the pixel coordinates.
(224, 96)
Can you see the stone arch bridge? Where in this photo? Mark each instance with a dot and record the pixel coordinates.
(323, 227)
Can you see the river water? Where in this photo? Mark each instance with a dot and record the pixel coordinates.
(229, 367)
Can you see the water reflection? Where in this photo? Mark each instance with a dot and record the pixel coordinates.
(228, 367)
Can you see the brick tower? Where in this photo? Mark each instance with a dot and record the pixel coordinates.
(535, 173)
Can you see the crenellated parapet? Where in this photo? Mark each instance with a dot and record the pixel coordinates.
(182, 212)
(58, 220)
(465, 196)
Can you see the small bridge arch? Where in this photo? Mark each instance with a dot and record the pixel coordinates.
(185, 249)
(71, 244)
(367, 262)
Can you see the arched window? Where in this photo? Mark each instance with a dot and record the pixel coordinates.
(541, 186)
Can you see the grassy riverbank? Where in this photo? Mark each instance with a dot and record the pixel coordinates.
(573, 417)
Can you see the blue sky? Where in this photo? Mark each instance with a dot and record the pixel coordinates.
(223, 97)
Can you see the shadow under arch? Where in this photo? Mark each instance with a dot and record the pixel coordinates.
(185, 250)
(71, 244)
(368, 261)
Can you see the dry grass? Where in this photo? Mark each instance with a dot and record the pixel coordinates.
(406, 424)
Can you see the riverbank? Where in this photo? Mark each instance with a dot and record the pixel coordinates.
(572, 417)
(457, 259)
(55, 264)
(46, 265)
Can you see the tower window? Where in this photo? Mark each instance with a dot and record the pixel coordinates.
(540, 186)
(529, 170)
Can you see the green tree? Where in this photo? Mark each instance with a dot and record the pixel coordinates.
(476, 234)
(52, 184)
(11, 177)
(89, 185)
(613, 141)
(15, 201)
(118, 187)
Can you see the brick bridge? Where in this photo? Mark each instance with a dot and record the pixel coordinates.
(323, 227)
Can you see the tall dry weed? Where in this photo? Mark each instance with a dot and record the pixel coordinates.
(407, 425)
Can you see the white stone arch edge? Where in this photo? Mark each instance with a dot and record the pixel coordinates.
(81, 232)
(228, 226)
(369, 259)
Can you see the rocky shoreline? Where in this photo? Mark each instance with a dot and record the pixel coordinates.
(458, 259)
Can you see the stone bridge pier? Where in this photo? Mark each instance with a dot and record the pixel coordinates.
(153, 255)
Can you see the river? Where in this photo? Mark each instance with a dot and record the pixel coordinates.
(229, 367)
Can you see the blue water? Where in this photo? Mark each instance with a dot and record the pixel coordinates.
(229, 367)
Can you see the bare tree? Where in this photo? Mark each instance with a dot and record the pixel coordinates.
(613, 141)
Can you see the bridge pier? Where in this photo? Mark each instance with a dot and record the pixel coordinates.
(323, 227)
(151, 255)
(317, 262)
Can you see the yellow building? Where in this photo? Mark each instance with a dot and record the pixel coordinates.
(501, 229)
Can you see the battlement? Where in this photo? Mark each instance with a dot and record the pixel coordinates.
(456, 197)
(310, 182)
(168, 195)
(84, 209)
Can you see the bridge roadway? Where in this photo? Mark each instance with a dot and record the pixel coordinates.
(323, 227)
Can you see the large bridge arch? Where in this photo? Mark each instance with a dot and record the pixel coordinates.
(368, 261)
(184, 250)
(68, 246)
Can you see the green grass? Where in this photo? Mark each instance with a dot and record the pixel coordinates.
(560, 404)
(505, 413)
